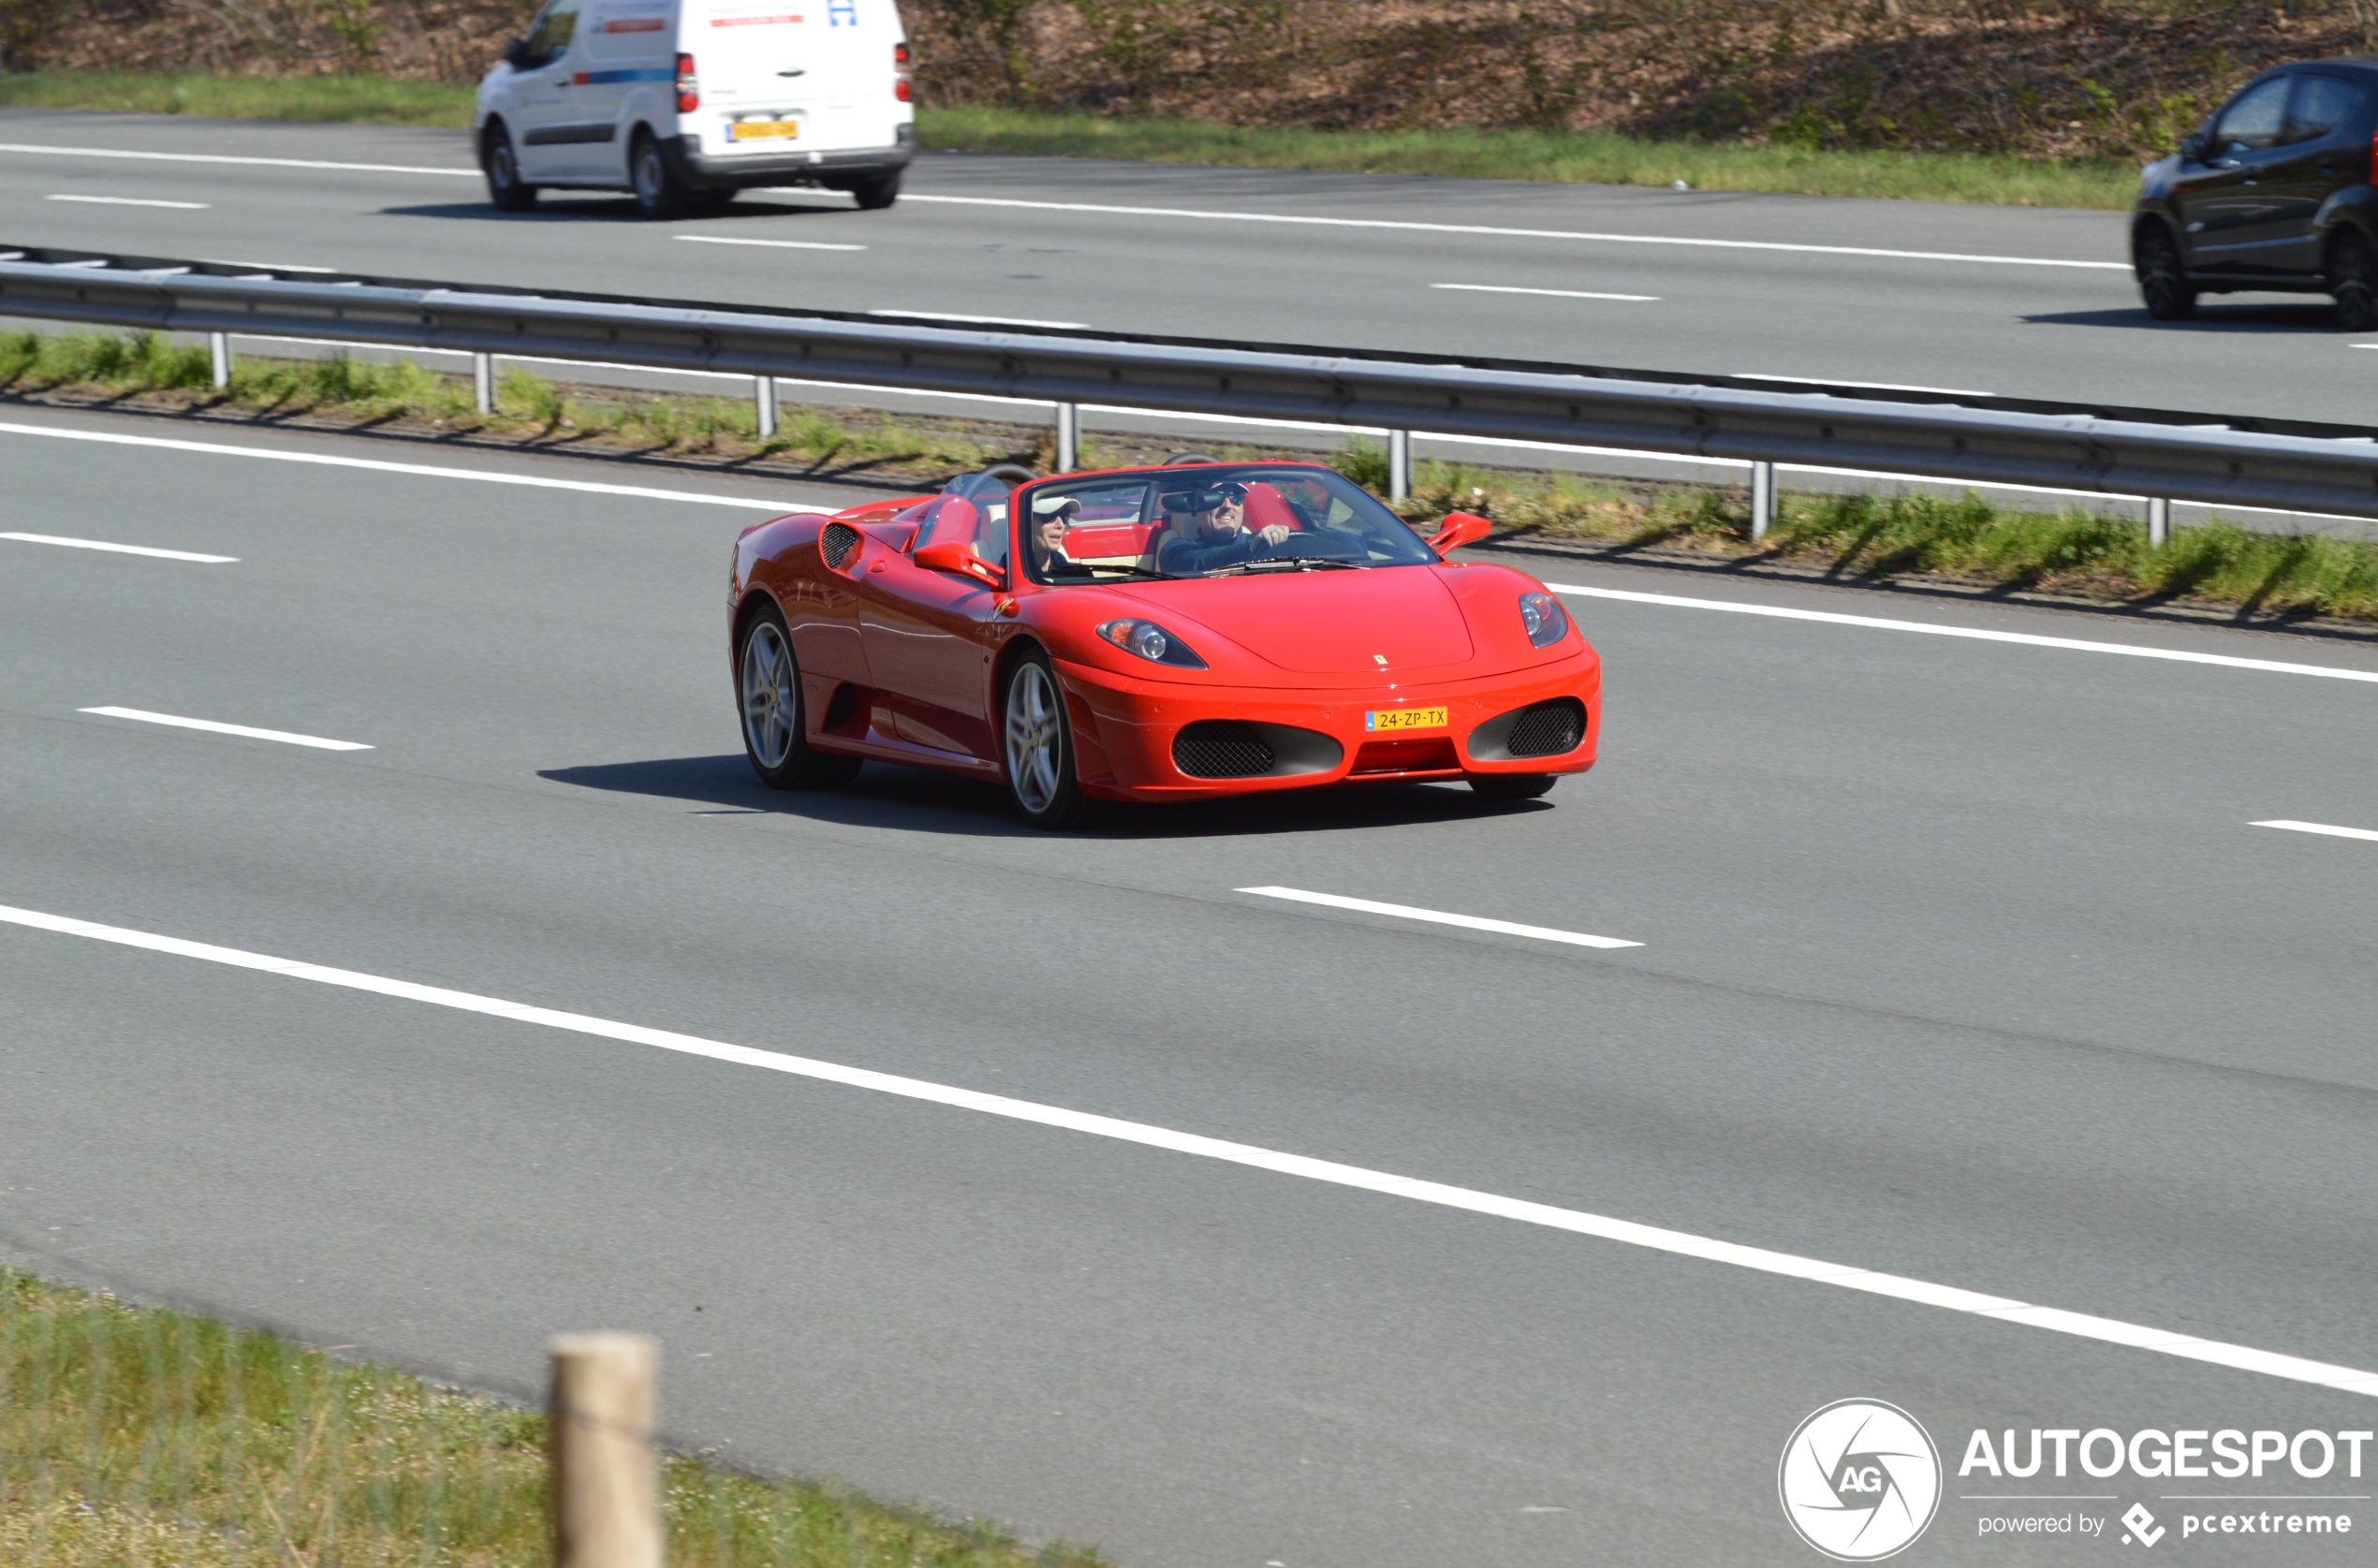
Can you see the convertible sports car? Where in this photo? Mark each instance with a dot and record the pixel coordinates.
(1151, 633)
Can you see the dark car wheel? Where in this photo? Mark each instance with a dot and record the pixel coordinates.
(1512, 786)
(2163, 283)
(875, 194)
(768, 681)
(504, 187)
(659, 193)
(2352, 278)
(1039, 744)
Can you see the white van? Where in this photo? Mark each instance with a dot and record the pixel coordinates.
(685, 102)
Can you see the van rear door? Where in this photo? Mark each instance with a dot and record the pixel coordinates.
(780, 76)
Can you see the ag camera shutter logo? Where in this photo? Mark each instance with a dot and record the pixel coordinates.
(1859, 1480)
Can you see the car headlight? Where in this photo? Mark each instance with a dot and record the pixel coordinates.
(1545, 621)
(1150, 641)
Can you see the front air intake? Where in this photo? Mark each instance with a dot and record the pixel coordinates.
(837, 544)
(1548, 729)
(1222, 749)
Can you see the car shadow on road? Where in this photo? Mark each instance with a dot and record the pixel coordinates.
(618, 209)
(915, 799)
(2302, 315)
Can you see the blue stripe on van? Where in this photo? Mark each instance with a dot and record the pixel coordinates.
(602, 79)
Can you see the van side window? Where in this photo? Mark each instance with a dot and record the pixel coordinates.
(2321, 104)
(548, 37)
(2254, 122)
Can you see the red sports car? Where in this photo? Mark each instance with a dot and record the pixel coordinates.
(1151, 633)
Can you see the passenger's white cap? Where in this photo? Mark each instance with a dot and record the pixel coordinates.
(1047, 504)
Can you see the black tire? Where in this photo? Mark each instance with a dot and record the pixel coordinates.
(1037, 741)
(768, 692)
(1512, 786)
(506, 190)
(660, 195)
(2352, 278)
(876, 193)
(2163, 281)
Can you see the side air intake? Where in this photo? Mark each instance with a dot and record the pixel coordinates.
(838, 543)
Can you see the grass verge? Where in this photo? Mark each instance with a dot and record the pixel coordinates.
(1564, 156)
(137, 1436)
(1881, 538)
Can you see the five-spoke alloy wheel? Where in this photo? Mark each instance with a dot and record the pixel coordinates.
(773, 736)
(1039, 744)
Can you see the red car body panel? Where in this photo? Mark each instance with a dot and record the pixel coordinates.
(905, 664)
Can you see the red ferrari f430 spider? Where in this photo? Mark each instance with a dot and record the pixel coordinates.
(1151, 633)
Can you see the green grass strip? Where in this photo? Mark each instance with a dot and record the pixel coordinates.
(1587, 158)
(133, 1435)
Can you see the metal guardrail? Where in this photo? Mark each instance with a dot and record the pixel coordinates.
(2157, 454)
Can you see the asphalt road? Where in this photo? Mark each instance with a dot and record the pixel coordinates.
(2041, 303)
(1959, 961)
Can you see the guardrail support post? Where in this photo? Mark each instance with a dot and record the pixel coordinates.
(219, 345)
(1399, 464)
(483, 383)
(1068, 438)
(1762, 500)
(2159, 522)
(606, 1479)
(763, 403)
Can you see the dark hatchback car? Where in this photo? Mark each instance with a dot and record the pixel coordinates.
(2272, 192)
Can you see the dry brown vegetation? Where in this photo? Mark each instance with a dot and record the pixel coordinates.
(2095, 78)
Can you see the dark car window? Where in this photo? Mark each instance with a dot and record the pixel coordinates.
(2255, 120)
(2321, 104)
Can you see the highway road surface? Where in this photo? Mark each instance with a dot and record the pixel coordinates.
(2013, 302)
(466, 987)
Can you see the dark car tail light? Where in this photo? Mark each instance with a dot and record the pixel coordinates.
(689, 86)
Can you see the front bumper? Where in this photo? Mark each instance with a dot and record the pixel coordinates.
(715, 171)
(1124, 729)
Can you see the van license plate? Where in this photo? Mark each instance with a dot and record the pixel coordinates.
(764, 130)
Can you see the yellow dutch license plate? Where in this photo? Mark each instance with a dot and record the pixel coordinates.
(764, 130)
(1405, 718)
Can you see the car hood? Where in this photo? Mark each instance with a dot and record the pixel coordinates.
(1370, 622)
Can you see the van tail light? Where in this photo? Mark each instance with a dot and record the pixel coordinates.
(903, 92)
(689, 86)
(901, 89)
(900, 54)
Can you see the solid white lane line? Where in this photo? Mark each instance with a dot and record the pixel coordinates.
(1385, 1183)
(977, 320)
(270, 266)
(1512, 233)
(122, 550)
(1438, 917)
(1870, 386)
(211, 728)
(425, 470)
(2319, 828)
(222, 159)
(1555, 293)
(133, 201)
(2177, 655)
(779, 244)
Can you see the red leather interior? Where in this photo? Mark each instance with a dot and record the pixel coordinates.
(1267, 506)
(954, 520)
(1108, 541)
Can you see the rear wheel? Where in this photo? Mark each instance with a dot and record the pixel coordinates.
(1512, 786)
(504, 187)
(1039, 745)
(774, 735)
(2352, 278)
(876, 193)
(659, 193)
(2163, 282)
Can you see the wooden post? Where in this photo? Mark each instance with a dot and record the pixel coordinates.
(606, 1472)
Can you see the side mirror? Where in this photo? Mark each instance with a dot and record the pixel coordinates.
(963, 561)
(516, 54)
(2192, 146)
(1459, 529)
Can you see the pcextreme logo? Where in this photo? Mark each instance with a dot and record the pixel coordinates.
(1859, 1480)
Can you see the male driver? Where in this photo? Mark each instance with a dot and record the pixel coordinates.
(1210, 531)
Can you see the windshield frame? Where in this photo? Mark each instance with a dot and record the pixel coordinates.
(1352, 518)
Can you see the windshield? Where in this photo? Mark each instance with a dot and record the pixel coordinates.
(1241, 519)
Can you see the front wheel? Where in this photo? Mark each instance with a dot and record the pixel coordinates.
(2352, 278)
(1511, 786)
(1039, 745)
(774, 736)
(659, 193)
(506, 189)
(2163, 282)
